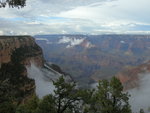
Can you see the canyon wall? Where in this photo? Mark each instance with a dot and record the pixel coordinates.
(30, 51)
(17, 52)
(89, 58)
(130, 77)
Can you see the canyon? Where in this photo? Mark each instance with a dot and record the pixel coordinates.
(30, 65)
(22, 66)
(89, 58)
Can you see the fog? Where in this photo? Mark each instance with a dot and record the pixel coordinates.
(43, 80)
(140, 97)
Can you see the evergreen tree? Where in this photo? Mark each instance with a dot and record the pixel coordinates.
(13, 3)
(142, 111)
(111, 98)
(47, 105)
(6, 100)
(108, 98)
(30, 106)
(66, 96)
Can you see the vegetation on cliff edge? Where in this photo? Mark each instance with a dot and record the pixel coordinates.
(108, 97)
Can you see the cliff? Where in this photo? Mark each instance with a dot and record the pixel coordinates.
(91, 58)
(16, 52)
(131, 75)
(30, 51)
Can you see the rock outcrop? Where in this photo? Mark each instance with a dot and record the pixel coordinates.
(130, 76)
(16, 52)
(31, 52)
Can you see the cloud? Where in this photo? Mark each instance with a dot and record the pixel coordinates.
(1, 32)
(140, 96)
(44, 85)
(70, 41)
(80, 16)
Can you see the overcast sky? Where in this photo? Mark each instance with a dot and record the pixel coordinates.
(76, 17)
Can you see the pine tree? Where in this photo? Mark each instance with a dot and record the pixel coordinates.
(142, 111)
(108, 98)
(12, 3)
(30, 106)
(47, 105)
(66, 96)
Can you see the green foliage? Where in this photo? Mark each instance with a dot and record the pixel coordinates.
(66, 96)
(13, 3)
(108, 98)
(30, 107)
(13, 83)
(47, 105)
(66, 99)
(14, 87)
(141, 111)
(7, 107)
(88, 100)
(5, 90)
(23, 52)
(6, 98)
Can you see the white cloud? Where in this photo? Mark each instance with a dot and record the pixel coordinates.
(140, 96)
(70, 41)
(80, 16)
(1, 32)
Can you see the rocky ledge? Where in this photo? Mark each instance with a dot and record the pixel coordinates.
(24, 46)
(16, 52)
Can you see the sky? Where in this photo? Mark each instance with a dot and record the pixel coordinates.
(77, 17)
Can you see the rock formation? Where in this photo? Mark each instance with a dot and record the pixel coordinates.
(9, 44)
(16, 52)
(96, 56)
(131, 75)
